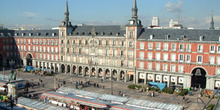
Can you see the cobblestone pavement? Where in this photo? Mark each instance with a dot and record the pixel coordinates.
(48, 82)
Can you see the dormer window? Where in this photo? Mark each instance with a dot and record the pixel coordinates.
(219, 38)
(83, 33)
(53, 34)
(38, 34)
(9, 34)
(167, 37)
(23, 34)
(30, 34)
(102, 33)
(2, 34)
(182, 37)
(201, 38)
(89, 33)
(46, 34)
(16, 34)
(77, 33)
(151, 36)
(117, 34)
(110, 33)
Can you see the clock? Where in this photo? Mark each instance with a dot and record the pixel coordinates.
(131, 22)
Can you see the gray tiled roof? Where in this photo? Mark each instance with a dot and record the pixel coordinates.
(100, 30)
(191, 34)
(11, 33)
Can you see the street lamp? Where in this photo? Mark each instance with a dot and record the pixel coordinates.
(12, 63)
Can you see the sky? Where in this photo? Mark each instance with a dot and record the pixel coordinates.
(46, 14)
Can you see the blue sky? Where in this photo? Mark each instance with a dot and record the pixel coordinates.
(45, 14)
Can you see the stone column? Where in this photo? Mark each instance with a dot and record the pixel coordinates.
(145, 79)
(111, 74)
(90, 72)
(25, 61)
(103, 74)
(134, 77)
(210, 83)
(126, 76)
(66, 69)
(71, 70)
(168, 81)
(77, 70)
(137, 77)
(96, 73)
(154, 77)
(83, 71)
(161, 78)
(38, 64)
(54, 67)
(59, 68)
(176, 82)
(34, 63)
(118, 75)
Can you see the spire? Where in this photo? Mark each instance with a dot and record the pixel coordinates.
(212, 23)
(134, 10)
(66, 13)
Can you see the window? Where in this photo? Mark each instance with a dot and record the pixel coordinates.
(86, 42)
(122, 43)
(44, 49)
(44, 41)
(67, 50)
(107, 43)
(80, 42)
(130, 54)
(48, 57)
(181, 47)
(165, 47)
(115, 52)
(157, 65)
(40, 49)
(48, 49)
(36, 41)
(164, 67)
(52, 49)
(29, 48)
(141, 65)
(150, 55)
(107, 52)
(56, 49)
(100, 42)
(212, 49)
(158, 46)
(61, 41)
(173, 68)
(24, 41)
(33, 41)
(51, 42)
(130, 44)
(45, 56)
(122, 53)
(37, 55)
(40, 41)
(131, 34)
(200, 48)
(29, 41)
(80, 51)
(173, 57)
(142, 45)
(180, 68)
(149, 66)
(199, 59)
(181, 58)
(165, 56)
(37, 48)
(56, 42)
(52, 58)
(150, 46)
(157, 56)
(114, 43)
(33, 48)
(173, 47)
(18, 41)
(218, 60)
(56, 57)
(212, 59)
(217, 71)
(100, 51)
(48, 42)
(141, 55)
(218, 49)
(188, 58)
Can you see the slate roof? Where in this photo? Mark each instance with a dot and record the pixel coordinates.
(191, 34)
(111, 30)
(43, 33)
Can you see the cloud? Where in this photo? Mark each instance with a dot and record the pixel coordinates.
(29, 15)
(172, 7)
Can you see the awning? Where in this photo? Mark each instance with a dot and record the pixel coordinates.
(130, 73)
(160, 85)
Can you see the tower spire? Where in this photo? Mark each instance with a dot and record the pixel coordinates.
(212, 23)
(134, 10)
(66, 13)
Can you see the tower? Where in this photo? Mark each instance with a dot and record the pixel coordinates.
(212, 23)
(66, 27)
(133, 30)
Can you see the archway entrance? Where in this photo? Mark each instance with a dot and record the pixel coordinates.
(1, 60)
(198, 78)
(62, 68)
(29, 59)
(87, 71)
